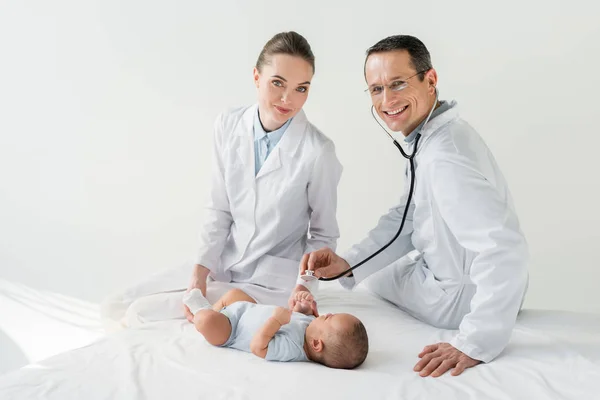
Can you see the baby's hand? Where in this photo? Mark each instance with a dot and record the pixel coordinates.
(304, 296)
(305, 303)
(282, 315)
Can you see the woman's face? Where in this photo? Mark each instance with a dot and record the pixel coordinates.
(283, 85)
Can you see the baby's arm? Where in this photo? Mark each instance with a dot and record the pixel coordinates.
(260, 342)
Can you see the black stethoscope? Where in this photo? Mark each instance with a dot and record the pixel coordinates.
(410, 158)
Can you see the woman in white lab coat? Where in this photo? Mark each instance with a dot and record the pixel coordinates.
(273, 195)
(258, 218)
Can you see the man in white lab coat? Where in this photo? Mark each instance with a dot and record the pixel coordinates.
(470, 269)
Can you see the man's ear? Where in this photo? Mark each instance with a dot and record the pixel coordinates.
(432, 79)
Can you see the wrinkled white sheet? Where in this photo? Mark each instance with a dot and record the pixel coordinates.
(553, 355)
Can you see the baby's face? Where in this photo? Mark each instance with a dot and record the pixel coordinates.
(332, 324)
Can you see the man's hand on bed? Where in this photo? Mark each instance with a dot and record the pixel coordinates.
(437, 359)
(198, 281)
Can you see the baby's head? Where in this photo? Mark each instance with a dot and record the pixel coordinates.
(337, 341)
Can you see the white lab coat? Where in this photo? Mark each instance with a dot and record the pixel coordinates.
(471, 268)
(256, 228)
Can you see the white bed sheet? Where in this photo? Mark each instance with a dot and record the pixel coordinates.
(553, 355)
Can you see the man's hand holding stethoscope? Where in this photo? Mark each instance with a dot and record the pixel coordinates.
(323, 263)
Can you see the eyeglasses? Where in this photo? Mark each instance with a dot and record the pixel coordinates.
(395, 86)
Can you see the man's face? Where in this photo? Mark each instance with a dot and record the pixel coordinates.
(402, 110)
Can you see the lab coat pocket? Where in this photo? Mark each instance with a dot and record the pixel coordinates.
(276, 272)
(294, 192)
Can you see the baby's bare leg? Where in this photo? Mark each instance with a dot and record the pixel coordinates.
(214, 326)
(232, 296)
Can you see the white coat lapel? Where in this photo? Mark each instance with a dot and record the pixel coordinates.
(287, 146)
(245, 150)
(273, 163)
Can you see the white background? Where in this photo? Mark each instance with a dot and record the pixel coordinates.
(106, 111)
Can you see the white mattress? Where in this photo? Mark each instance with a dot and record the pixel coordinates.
(553, 355)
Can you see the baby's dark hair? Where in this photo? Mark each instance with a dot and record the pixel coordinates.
(347, 350)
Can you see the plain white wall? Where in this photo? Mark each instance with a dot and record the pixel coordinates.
(106, 110)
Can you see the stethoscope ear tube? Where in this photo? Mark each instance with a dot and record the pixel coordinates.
(408, 200)
(410, 159)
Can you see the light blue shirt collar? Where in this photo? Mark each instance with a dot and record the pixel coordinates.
(274, 136)
(265, 142)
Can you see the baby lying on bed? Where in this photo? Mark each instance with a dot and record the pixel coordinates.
(279, 334)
